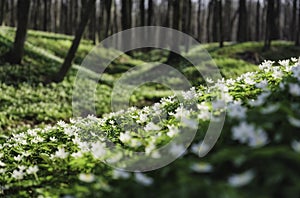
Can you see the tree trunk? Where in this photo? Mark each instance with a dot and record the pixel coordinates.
(173, 57)
(45, 15)
(126, 14)
(14, 56)
(92, 25)
(79, 32)
(221, 32)
(215, 24)
(294, 20)
(108, 16)
(269, 23)
(298, 29)
(199, 20)
(2, 11)
(242, 24)
(142, 12)
(208, 20)
(257, 21)
(150, 12)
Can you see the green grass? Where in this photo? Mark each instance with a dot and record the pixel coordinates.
(44, 53)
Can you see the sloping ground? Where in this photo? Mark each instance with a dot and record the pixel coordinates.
(257, 154)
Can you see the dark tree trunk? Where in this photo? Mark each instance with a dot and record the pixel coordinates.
(199, 20)
(150, 12)
(257, 21)
(126, 14)
(242, 24)
(142, 12)
(2, 10)
(92, 25)
(15, 55)
(46, 9)
(75, 44)
(108, 16)
(298, 29)
(215, 24)
(208, 21)
(12, 13)
(168, 14)
(294, 20)
(173, 57)
(270, 22)
(221, 32)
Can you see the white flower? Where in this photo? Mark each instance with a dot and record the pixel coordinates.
(2, 164)
(262, 84)
(2, 170)
(177, 149)
(200, 148)
(125, 137)
(294, 89)
(151, 127)
(266, 65)
(270, 109)
(218, 104)
(277, 73)
(18, 174)
(190, 95)
(173, 131)
(53, 139)
(284, 63)
(296, 72)
(143, 179)
(242, 132)
(293, 121)
(61, 123)
(77, 154)
(22, 167)
(117, 174)
(32, 169)
(260, 99)
(239, 180)
(135, 143)
(61, 153)
(18, 158)
(98, 149)
(236, 110)
(296, 146)
(257, 139)
(37, 139)
(209, 80)
(202, 167)
(88, 178)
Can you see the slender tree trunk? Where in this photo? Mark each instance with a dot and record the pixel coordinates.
(12, 13)
(294, 20)
(2, 10)
(215, 24)
(269, 23)
(90, 4)
(257, 21)
(242, 24)
(221, 31)
(92, 25)
(208, 20)
(298, 29)
(108, 16)
(173, 57)
(142, 12)
(199, 20)
(150, 12)
(15, 55)
(46, 9)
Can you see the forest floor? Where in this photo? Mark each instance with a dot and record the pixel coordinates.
(26, 103)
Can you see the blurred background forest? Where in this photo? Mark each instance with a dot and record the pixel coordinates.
(206, 20)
